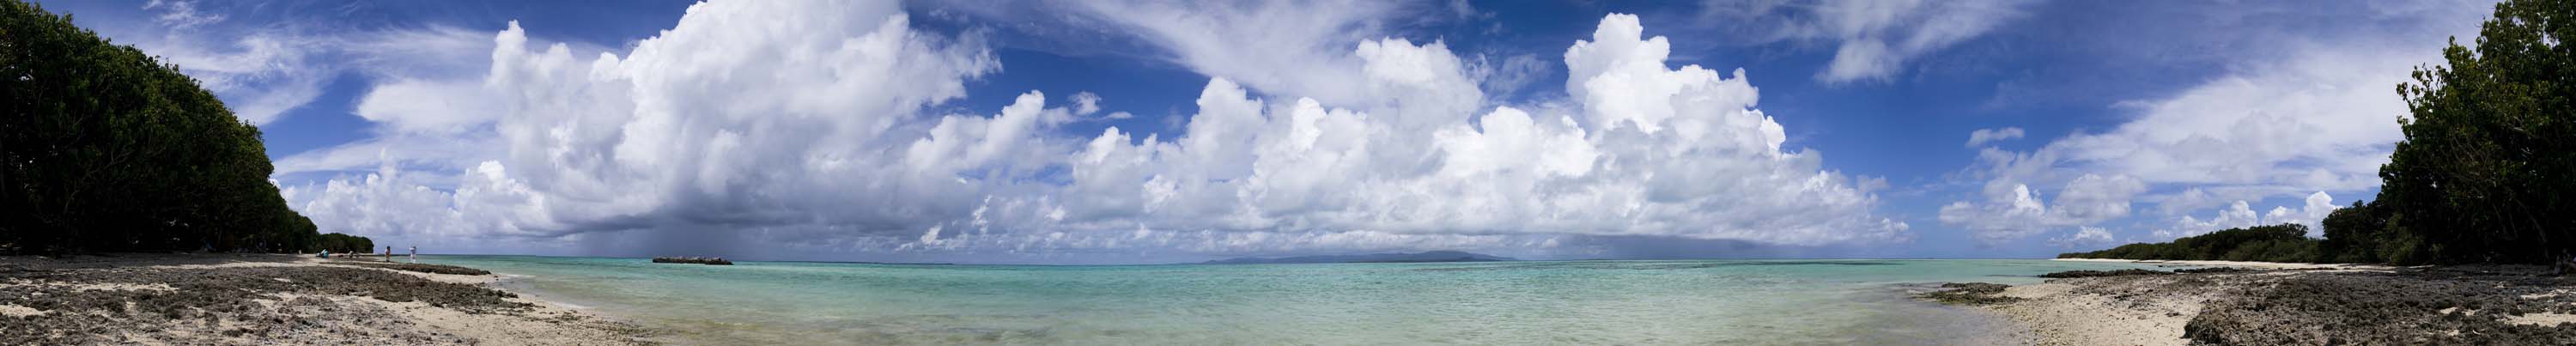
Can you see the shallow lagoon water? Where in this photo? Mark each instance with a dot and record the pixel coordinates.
(1549, 302)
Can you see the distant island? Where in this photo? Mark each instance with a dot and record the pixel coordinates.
(1421, 257)
(720, 261)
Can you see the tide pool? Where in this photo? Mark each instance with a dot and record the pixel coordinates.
(1769, 302)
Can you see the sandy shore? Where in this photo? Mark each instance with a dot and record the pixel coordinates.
(277, 299)
(2280, 303)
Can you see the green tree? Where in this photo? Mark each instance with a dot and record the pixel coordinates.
(2487, 172)
(2271, 243)
(2354, 234)
(104, 148)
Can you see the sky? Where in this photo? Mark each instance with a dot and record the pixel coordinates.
(1091, 132)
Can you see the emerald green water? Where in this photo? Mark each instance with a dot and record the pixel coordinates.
(1566, 302)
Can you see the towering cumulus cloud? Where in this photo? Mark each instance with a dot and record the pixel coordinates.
(807, 124)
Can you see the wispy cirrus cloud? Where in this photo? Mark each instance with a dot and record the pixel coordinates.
(1873, 40)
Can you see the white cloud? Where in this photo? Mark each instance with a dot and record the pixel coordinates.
(180, 14)
(2323, 120)
(809, 129)
(1667, 152)
(2311, 213)
(789, 126)
(429, 106)
(396, 205)
(1983, 136)
(1285, 48)
(264, 71)
(259, 75)
(1874, 39)
(2012, 210)
(1086, 103)
(2087, 237)
(2313, 116)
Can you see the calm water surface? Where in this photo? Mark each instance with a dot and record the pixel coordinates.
(1566, 302)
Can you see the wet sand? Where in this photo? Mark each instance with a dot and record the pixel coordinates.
(2290, 304)
(277, 299)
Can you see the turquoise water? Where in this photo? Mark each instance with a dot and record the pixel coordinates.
(1568, 302)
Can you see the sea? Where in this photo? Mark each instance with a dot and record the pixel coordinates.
(1729, 302)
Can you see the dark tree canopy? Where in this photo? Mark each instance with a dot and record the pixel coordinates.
(2356, 234)
(2487, 172)
(2274, 243)
(104, 148)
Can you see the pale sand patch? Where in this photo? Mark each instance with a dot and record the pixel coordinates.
(2541, 319)
(15, 311)
(2038, 291)
(547, 323)
(2055, 315)
(544, 325)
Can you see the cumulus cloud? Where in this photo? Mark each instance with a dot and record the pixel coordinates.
(2311, 213)
(2012, 210)
(795, 125)
(2087, 237)
(817, 135)
(1983, 136)
(1651, 151)
(428, 106)
(1086, 103)
(1873, 39)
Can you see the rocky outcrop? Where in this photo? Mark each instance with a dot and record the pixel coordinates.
(1969, 293)
(415, 267)
(2101, 273)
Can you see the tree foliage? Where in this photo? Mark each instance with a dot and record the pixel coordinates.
(104, 148)
(343, 243)
(2357, 234)
(2487, 172)
(2274, 243)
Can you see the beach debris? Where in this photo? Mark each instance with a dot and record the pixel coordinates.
(696, 260)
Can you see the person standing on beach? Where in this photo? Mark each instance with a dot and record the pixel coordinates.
(415, 254)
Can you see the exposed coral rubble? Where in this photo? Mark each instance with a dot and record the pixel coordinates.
(2482, 305)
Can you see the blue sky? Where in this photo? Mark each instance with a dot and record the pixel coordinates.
(909, 131)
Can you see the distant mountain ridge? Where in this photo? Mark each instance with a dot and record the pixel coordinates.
(1420, 257)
